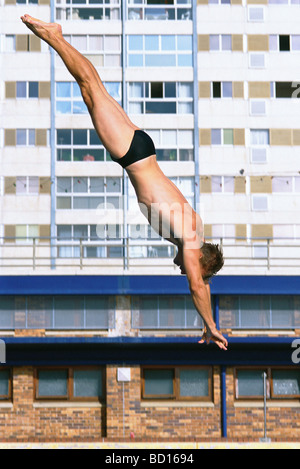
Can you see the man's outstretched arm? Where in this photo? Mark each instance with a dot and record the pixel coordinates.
(201, 297)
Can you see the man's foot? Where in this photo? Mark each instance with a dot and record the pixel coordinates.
(45, 31)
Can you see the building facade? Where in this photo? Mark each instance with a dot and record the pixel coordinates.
(100, 332)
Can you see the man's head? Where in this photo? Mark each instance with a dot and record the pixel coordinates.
(212, 260)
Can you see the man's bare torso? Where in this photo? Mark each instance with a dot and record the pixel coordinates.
(165, 207)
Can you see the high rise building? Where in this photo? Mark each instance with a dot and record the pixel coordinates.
(99, 326)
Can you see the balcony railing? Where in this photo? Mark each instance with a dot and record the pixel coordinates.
(254, 255)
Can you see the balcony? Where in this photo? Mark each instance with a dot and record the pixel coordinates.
(34, 256)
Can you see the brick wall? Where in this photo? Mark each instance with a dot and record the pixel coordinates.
(125, 415)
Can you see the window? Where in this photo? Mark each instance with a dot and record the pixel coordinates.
(222, 136)
(255, 14)
(173, 145)
(261, 312)
(284, 89)
(285, 384)
(62, 312)
(260, 203)
(257, 60)
(280, 43)
(177, 383)
(160, 51)
(222, 89)
(223, 184)
(259, 137)
(25, 137)
(5, 384)
(101, 50)
(249, 384)
(87, 10)
(164, 312)
(220, 42)
(282, 184)
(70, 384)
(284, 43)
(159, 10)
(27, 185)
(69, 99)
(27, 89)
(280, 384)
(160, 98)
(89, 193)
(98, 241)
(80, 145)
(25, 233)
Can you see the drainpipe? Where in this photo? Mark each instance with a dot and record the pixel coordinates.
(52, 146)
(124, 105)
(196, 117)
(223, 402)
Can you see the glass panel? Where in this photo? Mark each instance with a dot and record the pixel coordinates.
(53, 383)
(79, 137)
(158, 383)
(250, 383)
(97, 312)
(259, 137)
(4, 382)
(97, 185)
(64, 232)
(226, 41)
(193, 319)
(148, 312)
(185, 90)
(168, 43)
(80, 185)
(21, 137)
(135, 42)
(87, 383)
(184, 43)
(152, 43)
(39, 312)
(80, 232)
(64, 185)
(95, 43)
(255, 311)
(286, 382)
(283, 311)
(21, 89)
(7, 311)
(228, 136)
(185, 60)
(172, 312)
(214, 42)
(170, 90)
(69, 312)
(79, 42)
(216, 136)
(194, 383)
(63, 90)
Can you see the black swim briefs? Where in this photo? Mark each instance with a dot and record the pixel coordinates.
(141, 147)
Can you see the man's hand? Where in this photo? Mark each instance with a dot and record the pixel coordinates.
(215, 336)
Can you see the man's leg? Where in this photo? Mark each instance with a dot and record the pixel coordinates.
(110, 121)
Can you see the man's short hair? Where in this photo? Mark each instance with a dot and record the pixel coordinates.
(212, 259)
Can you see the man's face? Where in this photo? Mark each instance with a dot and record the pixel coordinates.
(204, 274)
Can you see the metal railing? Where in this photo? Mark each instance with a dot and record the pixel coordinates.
(264, 254)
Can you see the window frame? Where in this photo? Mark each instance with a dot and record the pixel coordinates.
(70, 384)
(175, 397)
(9, 396)
(270, 387)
